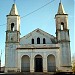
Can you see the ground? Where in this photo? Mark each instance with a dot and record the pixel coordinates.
(37, 73)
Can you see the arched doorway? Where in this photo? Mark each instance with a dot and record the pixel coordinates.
(25, 64)
(51, 64)
(38, 63)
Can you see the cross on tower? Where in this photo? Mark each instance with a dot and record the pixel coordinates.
(14, 1)
(60, 1)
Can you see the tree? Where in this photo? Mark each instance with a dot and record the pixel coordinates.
(73, 63)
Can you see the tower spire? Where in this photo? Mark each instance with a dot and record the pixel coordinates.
(14, 10)
(61, 8)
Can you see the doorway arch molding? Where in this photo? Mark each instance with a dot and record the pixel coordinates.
(25, 63)
(38, 63)
(25, 55)
(51, 63)
(54, 54)
(41, 54)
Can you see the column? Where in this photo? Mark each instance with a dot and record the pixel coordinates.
(19, 63)
(45, 63)
(31, 63)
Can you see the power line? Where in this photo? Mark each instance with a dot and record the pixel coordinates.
(3, 24)
(38, 9)
(34, 10)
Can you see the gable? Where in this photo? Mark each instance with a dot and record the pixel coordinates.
(38, 33)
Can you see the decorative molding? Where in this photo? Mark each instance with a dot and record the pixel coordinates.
(40, 48)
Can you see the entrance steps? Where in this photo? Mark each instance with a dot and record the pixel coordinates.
(36, 73)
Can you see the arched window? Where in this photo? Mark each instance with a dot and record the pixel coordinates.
(44, 41)
(62, 25)
(38, 40)
(32, 41)
(12, 26)
(11, 39)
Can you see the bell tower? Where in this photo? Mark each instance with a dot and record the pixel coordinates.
(13, 26)
(63, 37)
(12, 39)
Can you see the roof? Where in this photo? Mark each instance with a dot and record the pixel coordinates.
(61, 9)
(14, 10)
(40, 31)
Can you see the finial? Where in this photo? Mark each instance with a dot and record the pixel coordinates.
(14, 1)
(60, 1)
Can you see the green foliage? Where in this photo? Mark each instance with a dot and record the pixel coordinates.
(73, 68)
(73, 64)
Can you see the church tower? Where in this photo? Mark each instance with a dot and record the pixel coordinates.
(13, 26)
(63, 37)
(12, 39)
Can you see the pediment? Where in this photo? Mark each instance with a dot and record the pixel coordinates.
(35, 34)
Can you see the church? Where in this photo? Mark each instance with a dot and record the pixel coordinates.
(38, 51)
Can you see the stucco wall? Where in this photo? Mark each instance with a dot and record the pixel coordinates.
(43, 52)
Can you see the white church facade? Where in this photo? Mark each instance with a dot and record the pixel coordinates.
(37, 51)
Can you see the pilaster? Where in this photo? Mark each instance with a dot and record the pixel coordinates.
(45, 63)
(31, 63)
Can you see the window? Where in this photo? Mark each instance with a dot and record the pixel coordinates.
(62, 25)
(12, 26)
(38, 40)
(32, 41)
(44, 41)
(11, 39)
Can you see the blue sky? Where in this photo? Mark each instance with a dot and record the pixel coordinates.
(43, 18)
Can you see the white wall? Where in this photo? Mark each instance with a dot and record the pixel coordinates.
(43, 52)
